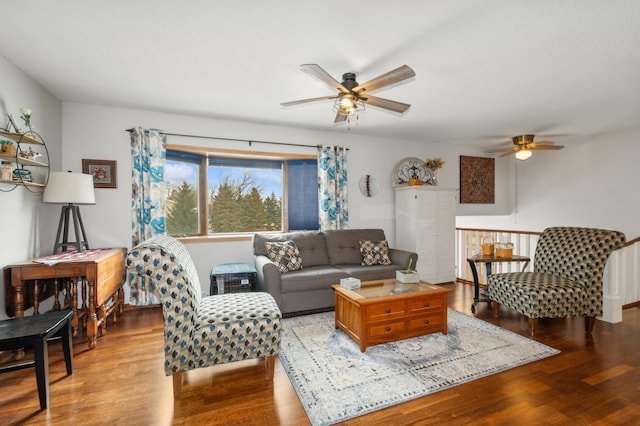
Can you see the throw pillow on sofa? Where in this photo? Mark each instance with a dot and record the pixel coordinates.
(284, 254)
(374, 252)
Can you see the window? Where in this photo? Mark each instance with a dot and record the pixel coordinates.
(210, 193)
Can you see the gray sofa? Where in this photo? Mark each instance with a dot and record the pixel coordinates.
(326, 257)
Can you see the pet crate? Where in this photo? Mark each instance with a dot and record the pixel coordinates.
(233, 278)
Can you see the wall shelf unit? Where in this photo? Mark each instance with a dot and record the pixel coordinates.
(30, 152)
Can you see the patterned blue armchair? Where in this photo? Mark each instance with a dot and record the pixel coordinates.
(567, 277)
(204, 331)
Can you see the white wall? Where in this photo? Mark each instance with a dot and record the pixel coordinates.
(98, 132)
(592, 182)
(25, 222)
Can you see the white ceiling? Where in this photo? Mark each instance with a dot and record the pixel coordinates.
(485, 70)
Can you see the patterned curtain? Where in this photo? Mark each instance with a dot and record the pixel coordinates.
(332, 187)
(148, 154)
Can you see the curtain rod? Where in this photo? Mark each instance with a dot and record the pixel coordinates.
(233, 139)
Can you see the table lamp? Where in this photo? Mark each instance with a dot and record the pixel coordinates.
(70, 189)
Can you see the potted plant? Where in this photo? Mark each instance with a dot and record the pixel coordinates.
(408, 276)
(8, 148)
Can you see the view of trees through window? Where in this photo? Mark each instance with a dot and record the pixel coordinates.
(242, 195)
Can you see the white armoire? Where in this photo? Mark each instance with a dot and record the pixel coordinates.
(426, 224)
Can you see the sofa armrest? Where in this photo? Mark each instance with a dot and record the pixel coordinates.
(268, 277)
(402, 258)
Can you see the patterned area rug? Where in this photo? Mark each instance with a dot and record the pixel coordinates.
(336, 382)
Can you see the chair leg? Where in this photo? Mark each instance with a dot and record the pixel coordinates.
(270, 363)
(177, 384)
(496, 308)
(533, 326)
(589, 323)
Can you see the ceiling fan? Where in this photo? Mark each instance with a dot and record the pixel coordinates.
(352, 96)
(523, 145)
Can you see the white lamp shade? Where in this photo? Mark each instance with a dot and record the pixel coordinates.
(67, 187)
(523, 154)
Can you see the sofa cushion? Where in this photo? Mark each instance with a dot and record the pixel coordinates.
(313, 278)
(371, 273)
(284, 254)
(374, 252)
(311, 246)
(343, 246)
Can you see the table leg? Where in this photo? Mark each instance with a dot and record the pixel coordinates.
(36, 296)
(41, 358)
(74, 306)
(56, 295)
(476, 286)
(92, 318)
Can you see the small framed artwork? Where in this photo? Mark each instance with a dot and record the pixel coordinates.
(477, 180)
(104, 172)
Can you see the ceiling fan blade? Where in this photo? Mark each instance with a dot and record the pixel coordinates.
(538, 146)
(340, 116)
(304, 101)
(508, 150)
(314, 70)
(385, 103)
(508, 153)
(399, 74)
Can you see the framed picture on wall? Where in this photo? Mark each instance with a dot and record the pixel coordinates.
(104, 172)
(477, 180)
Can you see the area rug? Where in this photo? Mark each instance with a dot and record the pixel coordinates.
(336, 382)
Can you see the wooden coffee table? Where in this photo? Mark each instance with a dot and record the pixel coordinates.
(385, 311)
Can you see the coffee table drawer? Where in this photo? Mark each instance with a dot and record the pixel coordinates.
(425, 304)
(376, 331)
(434, 320)
(387, 310)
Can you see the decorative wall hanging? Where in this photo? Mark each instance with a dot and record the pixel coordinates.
(410, 171)
(477, 180)
(368, 185)
(104, 172)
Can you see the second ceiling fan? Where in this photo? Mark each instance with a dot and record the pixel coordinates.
(523, 145)
(352, 95)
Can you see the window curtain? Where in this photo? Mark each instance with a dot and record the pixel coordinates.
(148, 153)
(332, 187)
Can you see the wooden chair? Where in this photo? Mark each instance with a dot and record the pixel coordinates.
(204, 331)
(567, 277)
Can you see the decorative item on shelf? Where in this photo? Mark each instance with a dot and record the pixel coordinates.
(8, 147)
(26, 117)
(487, 246)
(504, 250)
(6, 171)
(410, 170)
(434, 164)
(408, 276)
(22, 175)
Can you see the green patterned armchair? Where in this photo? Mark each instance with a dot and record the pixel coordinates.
(204, 331)
(567, 277)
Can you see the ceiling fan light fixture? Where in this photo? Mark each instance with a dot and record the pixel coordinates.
(348, 105)
(523, 154)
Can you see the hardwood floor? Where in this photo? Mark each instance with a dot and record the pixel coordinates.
(595, 380)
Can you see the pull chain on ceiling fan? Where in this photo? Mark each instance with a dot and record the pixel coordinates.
(352, 96)
(523, 145)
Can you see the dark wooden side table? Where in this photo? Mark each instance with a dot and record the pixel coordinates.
(35, 332)
(103, 272)
(488, 260)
